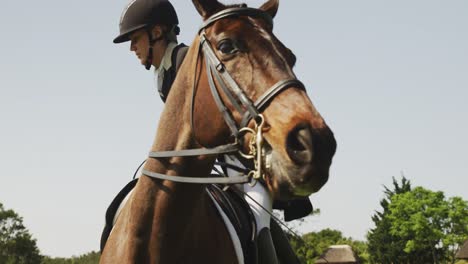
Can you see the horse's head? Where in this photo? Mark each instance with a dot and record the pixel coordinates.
(298, 145)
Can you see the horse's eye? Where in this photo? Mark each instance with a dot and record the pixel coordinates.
(227, 47)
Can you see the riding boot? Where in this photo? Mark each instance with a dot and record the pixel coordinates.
(283, 248)
(261, 202)
(266, 250)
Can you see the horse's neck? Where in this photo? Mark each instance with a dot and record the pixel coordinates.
(179, 214)
(167, 222)
(178, 210)
(176, 223)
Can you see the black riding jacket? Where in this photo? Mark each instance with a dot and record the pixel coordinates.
(177, 56)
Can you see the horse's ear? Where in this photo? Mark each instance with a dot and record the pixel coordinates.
(206, 8)
(271, 7)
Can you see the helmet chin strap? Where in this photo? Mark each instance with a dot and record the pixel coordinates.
(149, 58)
(152, 41)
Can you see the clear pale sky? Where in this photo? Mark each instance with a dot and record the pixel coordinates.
(78, 113)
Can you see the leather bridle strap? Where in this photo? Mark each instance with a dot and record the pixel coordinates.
(216, 67)
(261, 102)
(219, 102)
(198, 180)
(229, 82)
(224, 149)
(237, 11)
(228, 85)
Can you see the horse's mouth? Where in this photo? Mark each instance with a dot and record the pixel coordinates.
(287, 180)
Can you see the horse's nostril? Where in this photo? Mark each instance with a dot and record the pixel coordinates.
(299, 144)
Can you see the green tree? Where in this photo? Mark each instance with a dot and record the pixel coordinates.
(431, 226)
(417, 226)
(89, 258)
(16, 244)
(457, 226)
(417, 219)
(312, 245)
(383, 247)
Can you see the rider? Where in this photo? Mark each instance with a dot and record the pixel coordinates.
(152, 28)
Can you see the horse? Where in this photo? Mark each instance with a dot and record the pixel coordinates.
(235, 91)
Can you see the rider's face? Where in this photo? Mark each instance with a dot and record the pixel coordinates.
(140, 45)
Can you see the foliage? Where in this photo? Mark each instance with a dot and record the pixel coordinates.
(90, 258)
(417, 218)
(417, 226)
(312, 245)
(16, 244)
(456, 229)
(429, 223)
(384, 247)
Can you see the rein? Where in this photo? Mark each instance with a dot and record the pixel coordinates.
(216, 69)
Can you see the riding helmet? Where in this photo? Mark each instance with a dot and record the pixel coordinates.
(144, 13)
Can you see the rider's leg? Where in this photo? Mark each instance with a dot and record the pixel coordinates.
(257, 197)
(284, 250)
(270, 236)
(261, 203)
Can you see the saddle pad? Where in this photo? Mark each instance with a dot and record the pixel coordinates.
(231, 231)
(112, 211)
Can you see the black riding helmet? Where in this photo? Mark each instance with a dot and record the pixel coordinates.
(143, 14)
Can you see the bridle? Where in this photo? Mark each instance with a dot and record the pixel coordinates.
(237, 97)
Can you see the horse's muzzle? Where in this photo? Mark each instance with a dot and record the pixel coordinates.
(311, 152)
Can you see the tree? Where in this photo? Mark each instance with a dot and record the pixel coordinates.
(432, 226)
(89, 258)
(417, 219)
(383, 247)
(16, 244)
(457, 226)
(312, 245)
(417, 226)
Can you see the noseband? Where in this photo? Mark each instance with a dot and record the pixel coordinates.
(237, 97)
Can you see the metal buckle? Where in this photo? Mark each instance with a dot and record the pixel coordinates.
(256, 147)
(220, 67)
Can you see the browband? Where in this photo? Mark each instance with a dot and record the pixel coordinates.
(237, 11)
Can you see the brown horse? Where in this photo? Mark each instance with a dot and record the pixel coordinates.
(171, 222)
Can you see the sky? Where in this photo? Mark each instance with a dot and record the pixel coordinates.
(78, 113)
